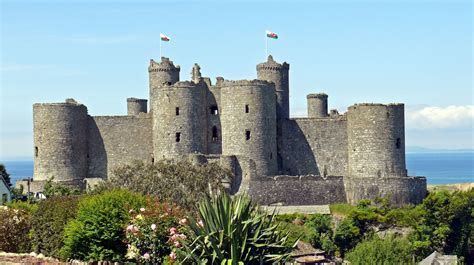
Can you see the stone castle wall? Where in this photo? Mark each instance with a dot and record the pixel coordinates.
(60, 141)
(118, 140)
(179, 120)
(376, 140)
(242, 125)
(315, 146)
(297, 190)
(248, 120)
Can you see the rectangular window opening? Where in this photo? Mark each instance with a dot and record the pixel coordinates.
(36, 151)
(247, 135)
(247, 108)
(177, 111)
(178, 137)
(214, 110)
(215, 136)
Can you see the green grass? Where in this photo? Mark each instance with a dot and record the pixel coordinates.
(341, 208)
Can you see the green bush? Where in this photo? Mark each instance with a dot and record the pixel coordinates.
(14, 230)
(390, 250)
(321, 226)
(177, 182)
(234, 231)
(27, 206)
(346, 236)
(446, 224)
(49, 221)
(97, 232)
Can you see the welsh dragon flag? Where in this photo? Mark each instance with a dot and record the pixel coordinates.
(163, 37)
(271, 35)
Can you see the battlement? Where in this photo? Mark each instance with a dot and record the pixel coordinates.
(164, 66)
(254, 82)
(317, 95)
(136, 100)
(271, 64)
(354, 106)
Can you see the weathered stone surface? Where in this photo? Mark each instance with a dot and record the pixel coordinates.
(243, 125)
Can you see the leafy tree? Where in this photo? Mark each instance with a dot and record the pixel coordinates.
(387, 251)
(234, 231)
(97, 232)
(4, 174)
(178, 182)
(446, 225)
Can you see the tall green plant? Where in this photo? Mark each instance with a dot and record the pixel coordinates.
(234, 231)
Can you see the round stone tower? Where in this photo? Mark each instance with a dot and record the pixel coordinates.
(179, 120)
(136, 105)
(60, 141)
(317, 105)
(278, 74)
(376, 141)
(248, 120)
(164, 72)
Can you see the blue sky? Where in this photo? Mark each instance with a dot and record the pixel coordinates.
(416, 52)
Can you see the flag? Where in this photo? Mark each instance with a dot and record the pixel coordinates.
(163, 37)
(271, 35)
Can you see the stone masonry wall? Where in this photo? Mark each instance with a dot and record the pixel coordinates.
(315, 146)
(60, 141)
(297, 190)
(180, 120)
(118, 140)
(248, 120)
(376, 140)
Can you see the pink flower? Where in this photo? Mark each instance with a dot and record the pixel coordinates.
(200, 223)
(130, 228)
(173, 230)
(146, 256)
(183, 221)
(173, 256)
(177, 244)
(153, 227)
(142, 209)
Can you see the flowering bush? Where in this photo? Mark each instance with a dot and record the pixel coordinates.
(15, 225)
(152, 233)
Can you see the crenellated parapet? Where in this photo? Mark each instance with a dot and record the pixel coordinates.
(164, 66)
(272, 65)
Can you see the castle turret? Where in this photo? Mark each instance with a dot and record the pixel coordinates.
(317, 105)
(248, 119)
(136, 106)
(60, 141)
(376, 139)
(164, 72)
(179, 120)
(278, 74)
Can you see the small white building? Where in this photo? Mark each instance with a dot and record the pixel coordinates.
(5, 194)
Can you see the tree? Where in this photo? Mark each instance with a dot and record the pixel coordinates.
(178, 182)
(4, 174)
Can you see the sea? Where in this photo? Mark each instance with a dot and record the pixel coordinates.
(437, 167)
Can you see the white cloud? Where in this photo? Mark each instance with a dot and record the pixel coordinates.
(451, 117)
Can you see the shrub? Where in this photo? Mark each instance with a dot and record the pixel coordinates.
(234, 231)
(52, 189)
(180, 182)
(390, 250)
(147, 233)
(446, 225)
(346, 236)
(27, 206)
(49, 221)
(97, 232)
(321, 226)
(14, 230)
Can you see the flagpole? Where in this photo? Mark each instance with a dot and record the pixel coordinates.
(266, 46)
(160, 48)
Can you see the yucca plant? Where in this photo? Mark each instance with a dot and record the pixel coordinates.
(234, 231)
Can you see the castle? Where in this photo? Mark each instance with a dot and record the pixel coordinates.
(242, 125)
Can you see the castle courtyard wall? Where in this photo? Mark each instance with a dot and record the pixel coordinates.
(297, 190)
(118, 140)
